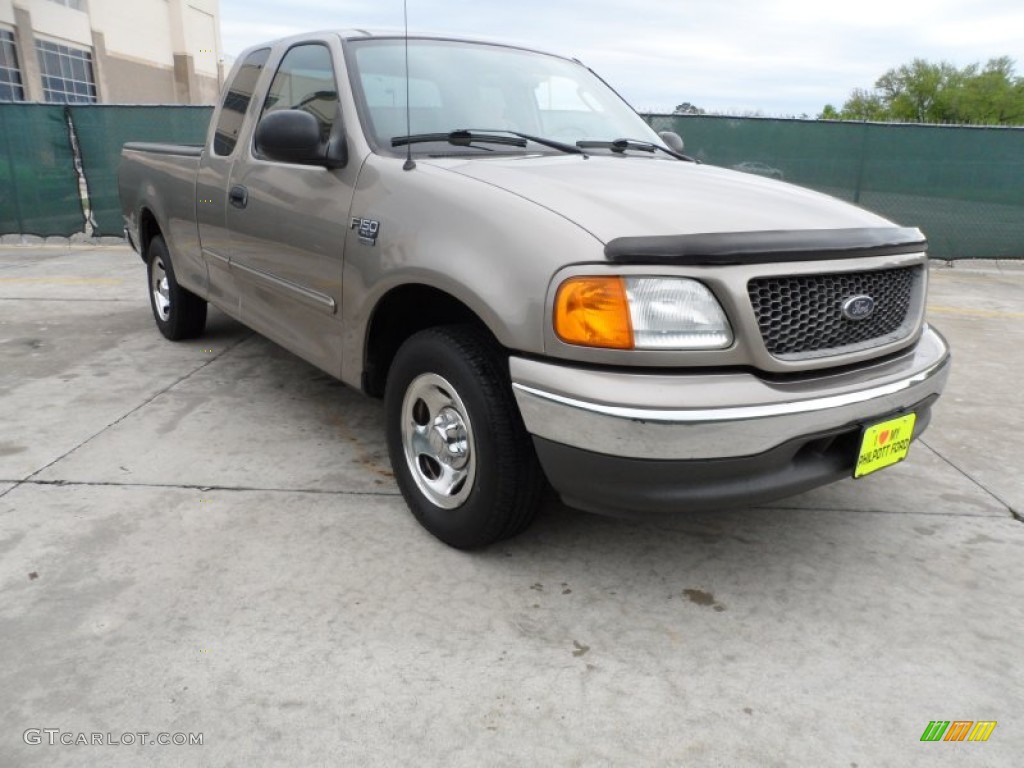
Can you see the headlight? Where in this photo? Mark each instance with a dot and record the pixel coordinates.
(675, 313)
(640, 313)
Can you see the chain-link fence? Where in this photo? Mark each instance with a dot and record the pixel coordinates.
(58, 164)
(39, 190)
(102, 130)
(963, 186)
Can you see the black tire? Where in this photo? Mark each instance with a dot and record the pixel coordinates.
(502, 491)
(178, 312)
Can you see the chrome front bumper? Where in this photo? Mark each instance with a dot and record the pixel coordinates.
(696, 416)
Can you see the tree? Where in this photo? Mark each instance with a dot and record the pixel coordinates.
(993, 95)
(864, 105)
(686, 108)
(926, 92)
(919, 92)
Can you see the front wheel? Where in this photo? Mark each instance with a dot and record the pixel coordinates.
(462, 457)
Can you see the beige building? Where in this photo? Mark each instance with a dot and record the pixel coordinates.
(110, 51)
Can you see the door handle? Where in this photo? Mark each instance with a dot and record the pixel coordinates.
(238, 196)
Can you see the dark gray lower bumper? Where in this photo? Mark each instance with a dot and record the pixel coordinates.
(621, 486)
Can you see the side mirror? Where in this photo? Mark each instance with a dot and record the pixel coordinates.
(672, 140)
(290, 136)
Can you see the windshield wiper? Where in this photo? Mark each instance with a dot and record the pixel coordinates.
(460, 138)
(561, 146)
(464, 137)
(621, 145)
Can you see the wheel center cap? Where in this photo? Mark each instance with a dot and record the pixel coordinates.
(448, 438)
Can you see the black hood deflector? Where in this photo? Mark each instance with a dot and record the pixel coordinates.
(723, 248)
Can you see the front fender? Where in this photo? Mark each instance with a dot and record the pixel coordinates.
(492, 250)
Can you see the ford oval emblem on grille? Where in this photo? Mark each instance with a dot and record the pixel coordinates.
(858, 308)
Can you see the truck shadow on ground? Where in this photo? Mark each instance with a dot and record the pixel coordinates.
(352, 427)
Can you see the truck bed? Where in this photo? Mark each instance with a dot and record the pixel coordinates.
(164, 176)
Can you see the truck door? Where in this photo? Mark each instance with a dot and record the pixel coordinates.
(214, 172)
(287, 222)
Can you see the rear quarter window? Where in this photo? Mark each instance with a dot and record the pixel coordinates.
(236, 102)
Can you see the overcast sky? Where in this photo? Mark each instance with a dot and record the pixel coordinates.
(777, 56)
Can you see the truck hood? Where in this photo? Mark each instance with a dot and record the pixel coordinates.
(629, 196)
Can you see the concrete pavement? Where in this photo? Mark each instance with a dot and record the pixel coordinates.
(205, 537)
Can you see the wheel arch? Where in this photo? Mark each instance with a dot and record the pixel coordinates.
(148, 229)
(400, 313)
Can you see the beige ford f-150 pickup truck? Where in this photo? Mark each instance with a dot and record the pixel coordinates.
(540, 287)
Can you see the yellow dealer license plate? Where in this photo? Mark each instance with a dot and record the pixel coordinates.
(885, 444)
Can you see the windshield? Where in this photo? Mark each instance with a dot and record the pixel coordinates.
(457, 85)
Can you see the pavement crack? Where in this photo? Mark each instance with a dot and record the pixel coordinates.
(850, 511)
(137, 408)
(64, 301)
(1016, 515)
(204, 488)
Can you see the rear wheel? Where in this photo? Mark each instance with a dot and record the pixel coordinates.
(178, 312)
(462, 457)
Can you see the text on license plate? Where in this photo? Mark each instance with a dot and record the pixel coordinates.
(885, 444)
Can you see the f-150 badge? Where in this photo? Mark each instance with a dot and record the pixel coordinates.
(368, 230)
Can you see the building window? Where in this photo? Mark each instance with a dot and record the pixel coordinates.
(77, 5)
(10, 75)
(67, 73)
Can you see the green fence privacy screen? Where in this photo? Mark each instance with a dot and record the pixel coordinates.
(39, 191)
(963, 186)
(102, 130)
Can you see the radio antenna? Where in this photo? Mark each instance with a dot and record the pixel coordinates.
(409, 162)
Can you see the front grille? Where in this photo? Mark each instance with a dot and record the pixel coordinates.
(801, 316)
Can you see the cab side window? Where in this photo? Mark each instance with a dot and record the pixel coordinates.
(236, 102)
(305, 80)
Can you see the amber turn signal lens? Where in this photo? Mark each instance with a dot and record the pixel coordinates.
(593, 312)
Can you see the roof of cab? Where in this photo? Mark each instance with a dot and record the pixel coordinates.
(391, 34)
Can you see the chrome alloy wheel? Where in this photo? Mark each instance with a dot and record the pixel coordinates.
(161, 289)
(437, 437)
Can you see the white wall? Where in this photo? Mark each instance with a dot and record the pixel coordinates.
(201, 39)
(149, 31)
(56, 22)
(135, 29)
